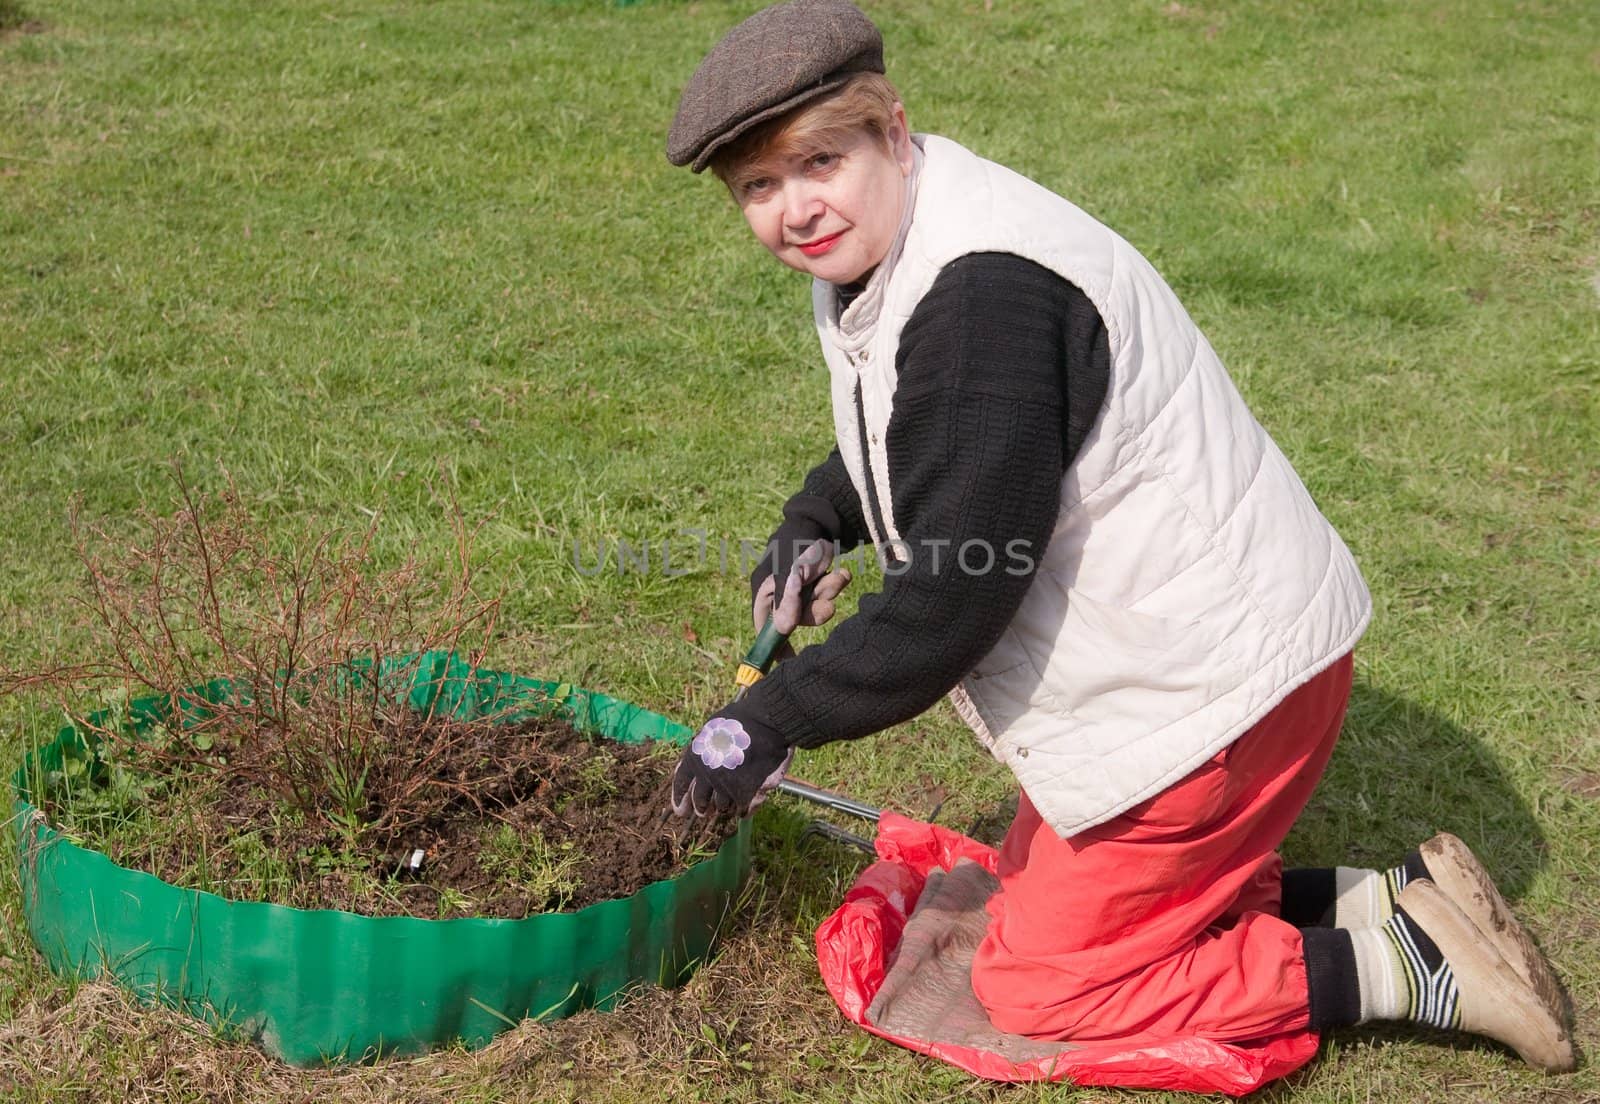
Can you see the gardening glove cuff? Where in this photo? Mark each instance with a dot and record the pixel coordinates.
(730, 766)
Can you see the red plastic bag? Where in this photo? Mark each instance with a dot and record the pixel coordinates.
(855, 944)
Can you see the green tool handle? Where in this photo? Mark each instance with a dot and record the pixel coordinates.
(758, 660)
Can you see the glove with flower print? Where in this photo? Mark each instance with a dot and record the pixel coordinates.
(730, 766)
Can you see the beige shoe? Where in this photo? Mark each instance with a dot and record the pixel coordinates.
(1493, 998)
(1456, 870)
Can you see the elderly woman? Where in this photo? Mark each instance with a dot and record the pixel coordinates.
(1094, 549)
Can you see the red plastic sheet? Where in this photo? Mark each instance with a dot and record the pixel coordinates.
(854, 946)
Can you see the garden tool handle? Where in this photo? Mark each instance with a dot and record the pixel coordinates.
(838, 802)
(758, 660)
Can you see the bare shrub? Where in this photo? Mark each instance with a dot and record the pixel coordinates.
(315, 650)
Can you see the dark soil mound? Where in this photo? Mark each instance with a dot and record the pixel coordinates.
(515, 820)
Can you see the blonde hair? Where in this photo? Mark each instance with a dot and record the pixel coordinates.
(865, 102)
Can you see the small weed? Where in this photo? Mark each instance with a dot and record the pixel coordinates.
(266, 874)
(698, 850)
(452, 902)
(595, 784)
(547, 872)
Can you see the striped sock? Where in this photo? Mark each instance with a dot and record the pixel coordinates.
(1365, 898)
(1402, 976)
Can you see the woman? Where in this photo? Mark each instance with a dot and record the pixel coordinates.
(1096, 551)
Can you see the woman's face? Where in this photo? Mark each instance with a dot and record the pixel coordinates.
(832, 213)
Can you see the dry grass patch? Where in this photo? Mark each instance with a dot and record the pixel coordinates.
(754, 1024)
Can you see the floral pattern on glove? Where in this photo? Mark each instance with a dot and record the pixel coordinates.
(721, 743)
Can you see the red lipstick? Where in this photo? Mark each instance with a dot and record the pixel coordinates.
(821, 245)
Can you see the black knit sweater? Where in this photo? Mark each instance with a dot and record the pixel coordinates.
(1002, 370)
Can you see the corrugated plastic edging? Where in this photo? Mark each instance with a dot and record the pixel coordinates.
(318, 985)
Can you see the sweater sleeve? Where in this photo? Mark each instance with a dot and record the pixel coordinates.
(991, 367)
(830, 482)
(826, 507)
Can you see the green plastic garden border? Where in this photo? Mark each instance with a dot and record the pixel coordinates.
(318, 985)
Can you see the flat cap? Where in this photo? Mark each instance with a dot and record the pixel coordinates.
(774, 61)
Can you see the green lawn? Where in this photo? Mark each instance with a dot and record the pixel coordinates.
(341, 250)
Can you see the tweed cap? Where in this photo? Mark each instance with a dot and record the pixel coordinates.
(774, 61)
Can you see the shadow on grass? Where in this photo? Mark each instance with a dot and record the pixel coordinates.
(12, 15)
(1401, 773)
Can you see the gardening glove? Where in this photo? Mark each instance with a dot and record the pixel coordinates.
(730, 766)
(804, 594)
(807, 519)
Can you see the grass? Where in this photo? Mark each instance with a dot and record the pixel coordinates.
(337, 250)
(527, 858)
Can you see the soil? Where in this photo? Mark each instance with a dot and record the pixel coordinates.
(517, 820)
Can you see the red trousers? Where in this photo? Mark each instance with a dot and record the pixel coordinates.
(1164, 921)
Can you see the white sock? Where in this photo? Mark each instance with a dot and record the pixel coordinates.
(1358, 898)
(1365, 898)
(1380, 975)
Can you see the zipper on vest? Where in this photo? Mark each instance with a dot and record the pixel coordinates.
(872, 484)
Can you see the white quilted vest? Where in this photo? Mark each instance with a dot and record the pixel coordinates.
(1190, 583)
